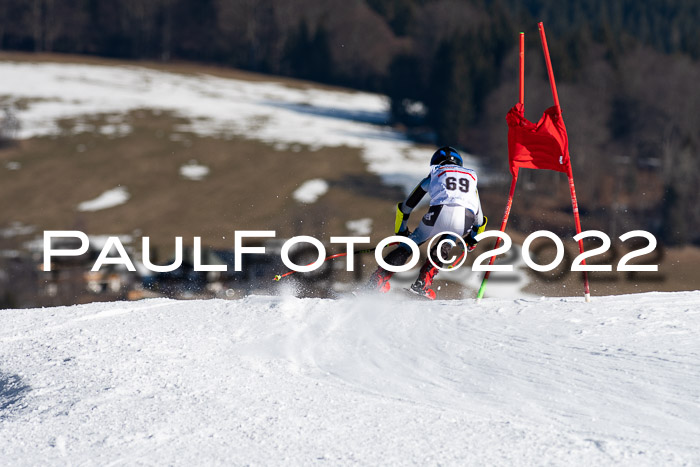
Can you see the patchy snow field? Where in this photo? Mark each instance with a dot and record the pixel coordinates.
(366, 380)
(284, 117)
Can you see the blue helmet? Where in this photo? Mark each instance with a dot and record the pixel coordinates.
(446, 155)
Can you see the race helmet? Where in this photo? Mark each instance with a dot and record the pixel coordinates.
(446, 155)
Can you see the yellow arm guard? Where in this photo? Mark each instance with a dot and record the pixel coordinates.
(482, 227)
(399, 218)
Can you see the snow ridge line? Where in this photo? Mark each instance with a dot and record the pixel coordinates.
(34, 332)
(122, 311)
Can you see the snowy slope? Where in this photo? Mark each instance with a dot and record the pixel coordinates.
(43, 94)
(275, 380)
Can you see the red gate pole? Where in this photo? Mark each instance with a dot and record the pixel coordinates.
(574, 205)
(522, 68)
(506, 214)
(514, 180)
(547, 60)
(572, 189)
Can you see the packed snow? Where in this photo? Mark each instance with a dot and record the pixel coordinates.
(310, 191)
(106, 200)
(43, 94)
(360, 380)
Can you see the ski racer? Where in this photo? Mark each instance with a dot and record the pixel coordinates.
(454, 207)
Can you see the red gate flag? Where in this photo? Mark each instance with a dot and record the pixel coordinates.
(544, 145)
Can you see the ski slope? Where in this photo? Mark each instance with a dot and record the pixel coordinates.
(367, 380)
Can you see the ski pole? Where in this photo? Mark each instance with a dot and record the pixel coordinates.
(278, 277)
(451, 266)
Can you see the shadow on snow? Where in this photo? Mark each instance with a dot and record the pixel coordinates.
(12, 390)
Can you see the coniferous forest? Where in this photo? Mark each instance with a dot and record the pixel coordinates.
(628, 73)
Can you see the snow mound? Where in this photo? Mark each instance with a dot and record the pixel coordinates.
(361, 380)
(108, 199)
(359, 227)
(194, 171)
(310, 191)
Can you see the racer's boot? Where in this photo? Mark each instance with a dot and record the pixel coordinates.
(379, 280)
(425, 279)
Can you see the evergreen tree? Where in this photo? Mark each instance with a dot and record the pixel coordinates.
(308, 56)
(449, 97)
